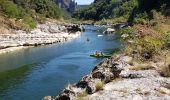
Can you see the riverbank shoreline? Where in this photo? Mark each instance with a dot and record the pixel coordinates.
(44, 34)
(128, 75)
(12, 49)
(114, 79)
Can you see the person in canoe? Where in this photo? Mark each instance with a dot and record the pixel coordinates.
(98, 54)
(101, 53)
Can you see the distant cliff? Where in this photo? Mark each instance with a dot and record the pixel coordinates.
(68, 5)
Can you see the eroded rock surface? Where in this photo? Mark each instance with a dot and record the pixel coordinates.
(120, 83)
(44, 34)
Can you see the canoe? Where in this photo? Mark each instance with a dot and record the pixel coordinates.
(101, 56)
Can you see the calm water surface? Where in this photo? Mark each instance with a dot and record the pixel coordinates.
(33, 73)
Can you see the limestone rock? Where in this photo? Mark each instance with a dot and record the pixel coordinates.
(47, 98)
(109, 31)
(53, 29)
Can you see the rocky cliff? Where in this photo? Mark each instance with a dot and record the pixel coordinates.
(68, 5)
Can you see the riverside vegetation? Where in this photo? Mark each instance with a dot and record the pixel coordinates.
(142, 70)
(33, 23)
(148, 34)
(23, 14)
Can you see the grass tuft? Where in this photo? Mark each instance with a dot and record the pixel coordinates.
(99, 85)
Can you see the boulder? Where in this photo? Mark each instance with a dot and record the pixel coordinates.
(74, 28)
(47, 98)
(109, 31)
(44, 28)
(82, 84)
(89, 90)
(63, 96)
(98, 75)
(126, 59)
(116, 69)
(54, 29)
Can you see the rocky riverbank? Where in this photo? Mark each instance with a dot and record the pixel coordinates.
(44, 34)
(116, 79)
(126, 76)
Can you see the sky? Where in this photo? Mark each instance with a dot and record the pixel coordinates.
(82, 2)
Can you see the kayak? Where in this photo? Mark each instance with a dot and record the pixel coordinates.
(101, 56)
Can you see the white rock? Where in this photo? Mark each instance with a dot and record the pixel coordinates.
(126, 59)
(125, 35)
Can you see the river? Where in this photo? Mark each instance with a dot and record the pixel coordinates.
(32, 73)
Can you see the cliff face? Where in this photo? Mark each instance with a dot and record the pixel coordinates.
(68, 5)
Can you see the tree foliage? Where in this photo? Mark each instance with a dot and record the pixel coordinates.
(9, 8)
(127, 9)
(98, 10)
(21, 8)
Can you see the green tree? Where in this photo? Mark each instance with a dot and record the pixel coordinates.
(9, 8)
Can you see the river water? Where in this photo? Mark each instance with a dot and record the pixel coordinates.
(33, 73)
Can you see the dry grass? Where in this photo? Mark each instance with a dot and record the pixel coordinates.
(137, 67)
(164, 90)
(141, 67)
(165, 71)
(81, 95)
(99, 85)
(9, 23)
(4, 30)
(165, 68)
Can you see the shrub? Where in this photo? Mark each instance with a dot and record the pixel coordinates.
(127, 30)
(9, 8)
(99, 85)
(29, 23)
(81, 95)
(140, 21)
(141, 18)
(148, 46)
(125, 9)
(153, 23)
(137, 67)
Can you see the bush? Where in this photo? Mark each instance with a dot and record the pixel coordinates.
(153, 22)
(140, 21)
(148, 45)
(125, 9)
(29, 23)
(99, 85)
(9, 8)
(127, 30)
(99, 10)
(141, 18)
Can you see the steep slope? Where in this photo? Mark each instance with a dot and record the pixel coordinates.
(68, 5)
(98, 10)
(24, 14)
(126, 9)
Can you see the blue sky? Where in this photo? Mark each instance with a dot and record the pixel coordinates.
(84, 1)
